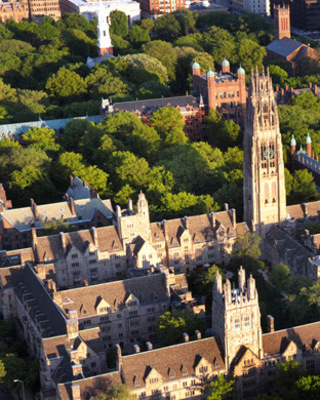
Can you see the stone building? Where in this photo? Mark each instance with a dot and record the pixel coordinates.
(44, 8)
(224, 92)
(16, 10)
(16, 223)
(263, 169)
(238, 350)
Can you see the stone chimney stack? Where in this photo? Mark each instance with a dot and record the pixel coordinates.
(270, 323)
(185, 337)
(95, 236)
(34, 237)
(136, 348)
(149, 345)
(308, 145)
(75, 389)
(71, 181)
(130, 206)
(34, 208)
(63, 240)
(72, 208)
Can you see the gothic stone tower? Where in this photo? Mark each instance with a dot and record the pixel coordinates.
(263, 169)
(236, 317)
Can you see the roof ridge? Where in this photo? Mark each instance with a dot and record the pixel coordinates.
(174, 345)
(292, 327)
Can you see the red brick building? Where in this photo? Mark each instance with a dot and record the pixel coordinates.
(224, 91)
(156, 8)
(192, 109)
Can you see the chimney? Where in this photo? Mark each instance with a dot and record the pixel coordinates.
(282, 93)
(72, 209)
(95, 235)
(310, 85)
(291, 91)
(72, 328)
(286, 87)
(34, 209)
(51, 286)
(136, 348)
(71, 181)
(277, 88)
(185, 337)
(315, 90)
(270, 323)
(197, 334)
(34, 237)
(305, 209)
(149, 345)
(185, 218)
(85, 184)
(226, 206)
(130, 206)
(233, 218)
(213, 218)
(76, 370)
(119, 358)
(75, 389)
(63, 240)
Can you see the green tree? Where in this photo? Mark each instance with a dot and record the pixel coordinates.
(288, 374)
(247, 246)
(100, 82)
(220, 389)
(130, 169)
(165, 53)
(277, 73)
(303, 187)
(306, 388)
(167, 27)
(41, 138)
(66, 83)
(116, 392)
(278, 275)
(3, 372)
(222, 133)
(249, 54)
(119, 23)
(187, 20)
(172, 325)
(218, 42)
(168, 122)
(138, 36)
(151, 90)
(142, 67)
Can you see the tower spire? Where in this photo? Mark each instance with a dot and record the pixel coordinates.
(104, 40)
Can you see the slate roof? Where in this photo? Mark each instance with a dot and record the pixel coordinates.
(148, 289)
(296, 211)
(284, 47)
(10, 277)
(22, 218)
(89, 386)
(78, 190)
(304, 336)
(173, 358)
(41, 308)
(150, 105)
(22, 127)
(50, 247)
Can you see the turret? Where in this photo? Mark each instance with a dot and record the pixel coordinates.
(196, 69)
(308, 145)
(210, 85)
(225, 66)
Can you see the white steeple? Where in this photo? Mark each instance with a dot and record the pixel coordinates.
(104, 41)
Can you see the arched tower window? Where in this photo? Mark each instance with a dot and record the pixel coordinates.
(266, 192)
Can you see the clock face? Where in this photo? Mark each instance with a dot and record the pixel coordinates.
(268, 153)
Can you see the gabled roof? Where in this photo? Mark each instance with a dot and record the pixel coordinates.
(115, 293)
(304, 336)
(90, 386)
(181, 358)
(284, 47)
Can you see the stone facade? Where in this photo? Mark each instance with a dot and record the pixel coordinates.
(16, 223)
(263, 172)
(16, 10)
(44, 8)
